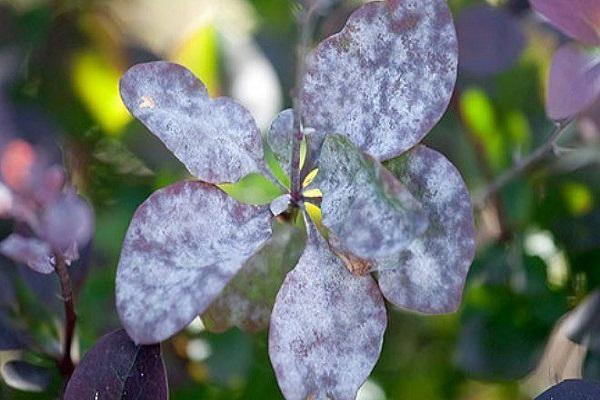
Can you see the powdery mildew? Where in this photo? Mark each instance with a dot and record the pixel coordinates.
(217, 140)
(371, 213)
(327, 327)
(386, 79)
(183, 246)
(429, 275)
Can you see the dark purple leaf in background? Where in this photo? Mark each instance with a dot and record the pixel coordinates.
(183, 246)
(386, 79)
(574, 83)
(32, 252)
(217, 140)
(429, 275)
(116, 369)
(248, 299)
(25, 376)
(584, 323)
(327, 327)
(9, 335)
(572, 389)
(579, 19)
(490, 40)
(364, 205)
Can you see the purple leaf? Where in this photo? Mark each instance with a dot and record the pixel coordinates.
(364, 205)
(490, 40)
(217, 140)
(35, 253)
(574, 83)
(580, 19)
(183, 246)
(10, 337)
(248, 299)
(327, 327)
(279, 138)
(429, 275)
(386, 79)
(24, 376)
(572, 389)
(116, 369)
(68, 222)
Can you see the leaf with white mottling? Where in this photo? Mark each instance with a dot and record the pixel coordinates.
(280, 204)
(574, 83)
(32, 252)
(116, 369)
(386, 79)
(579, 19)
(572, 389)
(26, 377)
(280, 136)
(183, 246)
(217, 140)
(429, 275)
(371, 213)
(327, 327)
(248, 299)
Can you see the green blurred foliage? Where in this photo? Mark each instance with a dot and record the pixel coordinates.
(540, 247)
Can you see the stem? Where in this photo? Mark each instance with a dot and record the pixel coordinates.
(306, 26)
(525, 163)
(66, 365)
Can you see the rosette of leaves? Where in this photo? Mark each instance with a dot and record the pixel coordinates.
(369, 95)
(574, 82)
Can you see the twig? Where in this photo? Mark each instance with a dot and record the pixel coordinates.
(66, 365)
(523, 164)
(306, 24)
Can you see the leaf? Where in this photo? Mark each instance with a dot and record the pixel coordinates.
(24, 376)
(280, 205)
(248, 299)
(183, 246)
(572, 389)
(116, 369)
(327, 327)
(574, 83)
(580, 19)
(217, 140)
(280, 136)
(584, 323)
(490, 40)
(10, 337)
(363, 204)
(429, 275)
(386, 79)
(32, 252)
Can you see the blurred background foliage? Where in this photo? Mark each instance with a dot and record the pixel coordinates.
(539, 238)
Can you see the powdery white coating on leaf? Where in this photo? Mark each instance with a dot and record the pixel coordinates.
(248, 299)
(327, 327)
(429, 275)
(371, 213)
(32, 252)
(574, 83)
(217, 140)
(116, 369)
(579, 19)
(280, 204)
(386, 79)
(183, 246)
(280, 137)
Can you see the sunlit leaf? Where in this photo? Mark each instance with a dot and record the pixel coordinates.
(116, 369)
(574, 83)
(489, 40)
(252, 189)
(32, 252)
(217, 140)
(429, 275)
(183, 246)
(579, 19)
(386, 79)
(367, 208)
(327, 327)
(248, 299)
(572, 389)
(24, 376)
